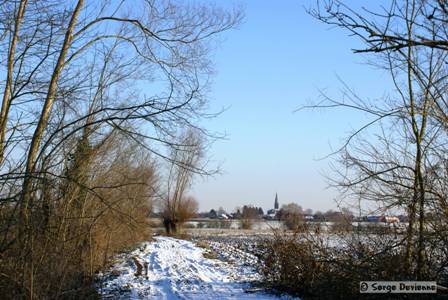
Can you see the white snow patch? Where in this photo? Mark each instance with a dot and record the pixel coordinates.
(177, 269)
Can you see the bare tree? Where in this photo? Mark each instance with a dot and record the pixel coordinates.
(77, 76)
(185, 159)
(6, 103)
(393, 162)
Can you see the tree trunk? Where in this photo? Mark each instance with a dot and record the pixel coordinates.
(7, 92)
(24, 225)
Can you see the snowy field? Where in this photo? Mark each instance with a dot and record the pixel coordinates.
(169, 268)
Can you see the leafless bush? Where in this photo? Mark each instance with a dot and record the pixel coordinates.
(247, 223)
(292, 216)
(342, 222)
(188, 208)
(315, 266)
(87, 220)
(248, 217)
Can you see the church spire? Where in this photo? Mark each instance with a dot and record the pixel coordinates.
(276, 201)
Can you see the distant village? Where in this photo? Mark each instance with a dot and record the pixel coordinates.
(278, 212)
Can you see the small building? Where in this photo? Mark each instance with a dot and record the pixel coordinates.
(373, 218)
(309, 217)
(223, 217)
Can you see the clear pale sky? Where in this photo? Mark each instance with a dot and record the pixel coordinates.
(275, 62)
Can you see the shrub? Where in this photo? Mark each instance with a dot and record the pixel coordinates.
(76, 228)
(292, 216)
(247, 223)
(310, 266)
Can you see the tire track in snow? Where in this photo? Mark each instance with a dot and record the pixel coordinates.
(177, 269)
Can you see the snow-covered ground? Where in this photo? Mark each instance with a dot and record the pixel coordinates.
(170, 268)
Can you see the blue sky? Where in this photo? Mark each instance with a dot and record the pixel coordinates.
(278, 60)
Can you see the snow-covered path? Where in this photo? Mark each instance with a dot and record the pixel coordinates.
(176, 269)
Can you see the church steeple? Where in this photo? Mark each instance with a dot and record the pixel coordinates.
(276, 201)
